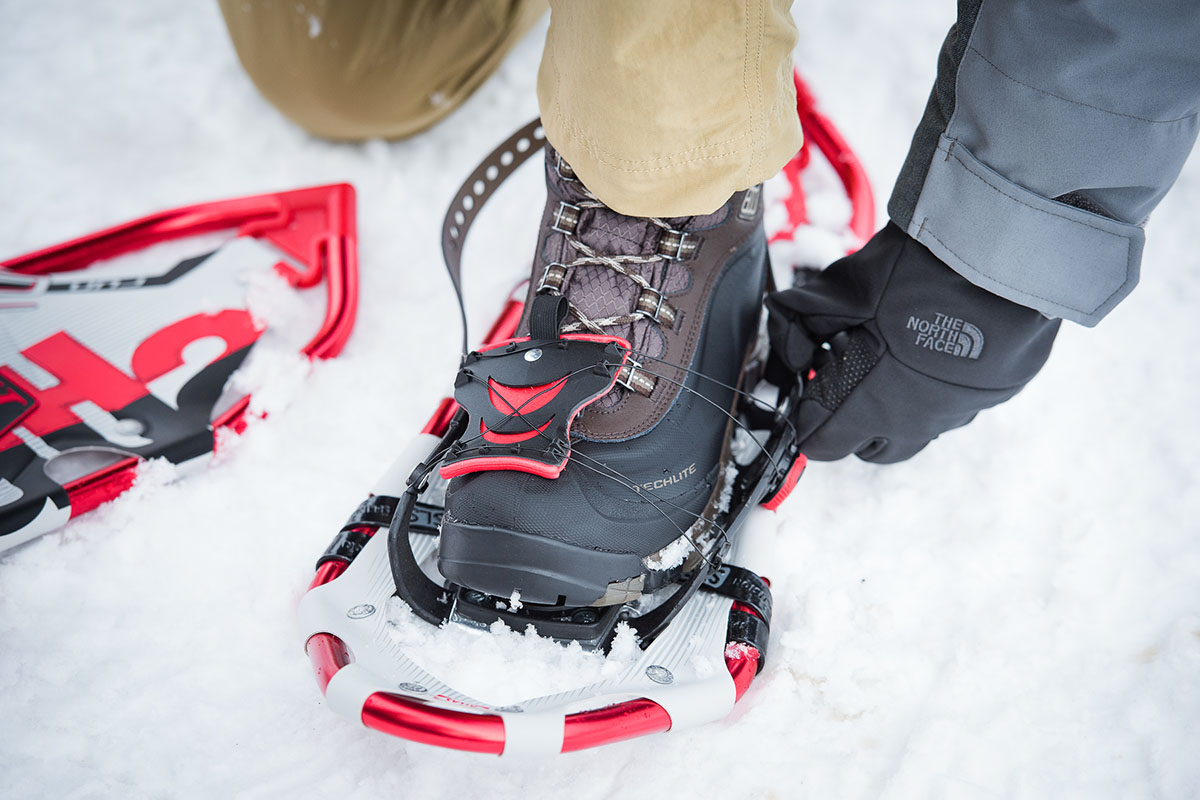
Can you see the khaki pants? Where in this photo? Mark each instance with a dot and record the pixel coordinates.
(662, 107)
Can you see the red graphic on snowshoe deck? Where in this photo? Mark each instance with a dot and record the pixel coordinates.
(135, 367)
(16, 400)
(84, 377)
(163, 351)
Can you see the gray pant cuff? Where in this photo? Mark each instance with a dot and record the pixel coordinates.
(1052, 257)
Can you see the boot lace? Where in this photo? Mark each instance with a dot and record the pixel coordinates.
(651, 305)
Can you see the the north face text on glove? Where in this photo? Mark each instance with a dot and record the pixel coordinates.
(946, 334)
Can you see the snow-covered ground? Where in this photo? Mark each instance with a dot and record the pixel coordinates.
(1013, 613)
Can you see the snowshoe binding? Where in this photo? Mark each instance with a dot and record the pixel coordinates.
(595, 477)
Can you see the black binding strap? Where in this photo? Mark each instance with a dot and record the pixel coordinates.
(428, 600)
(345, 546)
(373, 513)
(743, 586)
(546, 315)
(752, 624)
(376, 511)
(748, 629)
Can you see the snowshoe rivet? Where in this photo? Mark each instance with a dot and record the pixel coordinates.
(475, 597)
(412, 687)
(659, 674)
(361, 611)
(585, 616)
(534, 354)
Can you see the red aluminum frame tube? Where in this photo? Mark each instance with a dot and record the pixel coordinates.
(417, 721)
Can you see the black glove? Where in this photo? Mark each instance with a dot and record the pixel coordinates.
(895, 347)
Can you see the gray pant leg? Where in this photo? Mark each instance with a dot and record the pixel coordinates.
(1053, 131)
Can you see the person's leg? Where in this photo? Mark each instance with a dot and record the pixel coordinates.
(356, 69)
(662, 120)
(668, 108)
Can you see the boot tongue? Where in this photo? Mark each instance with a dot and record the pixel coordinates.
(598, 291)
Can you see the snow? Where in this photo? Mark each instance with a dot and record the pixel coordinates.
(469, 659)
(670, 556)
(1013, 613)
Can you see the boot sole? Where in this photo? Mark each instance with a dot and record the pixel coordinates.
(495, 560)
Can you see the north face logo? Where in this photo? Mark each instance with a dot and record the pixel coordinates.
(950, 335)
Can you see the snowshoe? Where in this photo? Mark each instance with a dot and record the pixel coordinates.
(101, 368)
(522, 417)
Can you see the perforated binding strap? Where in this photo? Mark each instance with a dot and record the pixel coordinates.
(376, 510)
(476, 191)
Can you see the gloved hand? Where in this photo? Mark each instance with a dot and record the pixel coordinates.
(895, 348)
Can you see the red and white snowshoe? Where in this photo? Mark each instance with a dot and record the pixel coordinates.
(103, 366)
(699, 640)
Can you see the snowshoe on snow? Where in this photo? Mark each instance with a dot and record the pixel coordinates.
(546, 494)
(101, 369)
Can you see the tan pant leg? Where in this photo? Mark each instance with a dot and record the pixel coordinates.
(668, 107)
(355, 69)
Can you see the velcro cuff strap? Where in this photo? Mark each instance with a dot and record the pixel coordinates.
(1049, 256)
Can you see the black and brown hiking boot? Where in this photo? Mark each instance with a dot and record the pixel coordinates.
(649, 460)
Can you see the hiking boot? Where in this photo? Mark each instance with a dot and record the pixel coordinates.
(650, 458)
